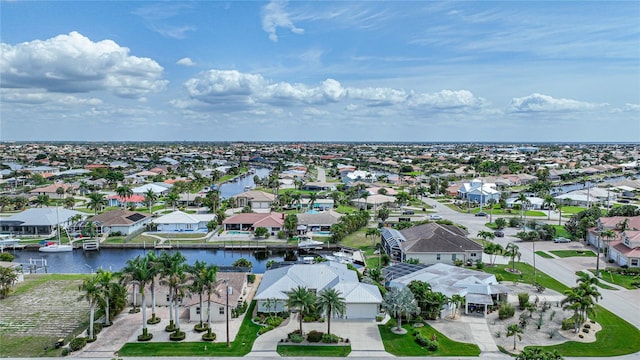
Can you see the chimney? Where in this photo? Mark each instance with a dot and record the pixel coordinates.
(282, 216)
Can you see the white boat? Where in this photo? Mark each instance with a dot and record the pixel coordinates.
(247, 188)
(56, 247)
(8, 240)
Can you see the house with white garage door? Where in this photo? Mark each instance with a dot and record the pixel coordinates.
(362, 300)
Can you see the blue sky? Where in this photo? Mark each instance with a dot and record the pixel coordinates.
(320, 71)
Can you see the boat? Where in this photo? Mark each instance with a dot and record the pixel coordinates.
(247, 188)
(308, 243)
(9, 242)
(56, 246)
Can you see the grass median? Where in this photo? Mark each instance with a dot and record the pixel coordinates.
(314, 350)
(406, 345)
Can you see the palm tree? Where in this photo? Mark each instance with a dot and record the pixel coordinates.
(513, 251)
(96, 202)
(209, 283)
(199, 273)
(330, 300)
(457, 300)
(4, 202)
(106, 282)
(172, 198)
(173, 275)
(523, 200)
(490, 203)
(155, 267)
(125, 193)
(301, 298)
(549, 202)
(312, 199)
(8, 276)
(515, 331)
(559, 208)
(400, 302)
(383, 214)
(42, 200)
(608, 235)
(92, 293)
(486, 235)
(150, 198)
(493, 249)
(137, 272)
(295, 199)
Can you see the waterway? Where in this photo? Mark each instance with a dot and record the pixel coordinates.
(79, 261)
(230, 189)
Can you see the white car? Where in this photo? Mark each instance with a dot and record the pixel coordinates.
(561, 240)
(435, 217)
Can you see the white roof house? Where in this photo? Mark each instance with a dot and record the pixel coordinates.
(37, 221)
(153, 187)
(362, 300)
(181, 221)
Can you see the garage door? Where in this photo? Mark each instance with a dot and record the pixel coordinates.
(361, 311)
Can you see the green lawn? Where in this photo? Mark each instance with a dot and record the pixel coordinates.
(617, 337)
(617, 279)
(34, 280)
(405, 345)
(526, 277)
(239, 347)
(313, 350)
(544, 254)
(570, 210)
(345, 209)
(572, 253)
(562, 232)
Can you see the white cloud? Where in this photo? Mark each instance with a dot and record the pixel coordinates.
(74, 64)
(274, 16)
(447, 99)
(545, 103)
(186, 62)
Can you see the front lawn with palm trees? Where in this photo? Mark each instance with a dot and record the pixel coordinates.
(313, 350)
(526, 275)
(405, 345)
(239, 347)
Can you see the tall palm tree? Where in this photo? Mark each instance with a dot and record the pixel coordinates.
(8, 276)
(155, 267)
(457, 300)
(559, 208)
(42, 200)
(312, 200)
(172, 198)
(493, 249)
(199, 271)
(96, 202)
(400, 302)
(124, 192)
(209, 283)
(608, 235)
(523, 200)
(515, 331)
(137, 272)
(92, 293)
(106, 282)
(513, 251)
(173, 275)
(331, 301)
(302, 299)
(549, 202)
(150, 198)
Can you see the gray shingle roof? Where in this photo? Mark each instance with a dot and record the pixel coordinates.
(434, 237)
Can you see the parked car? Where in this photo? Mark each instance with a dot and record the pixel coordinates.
(498, 233)
(435, 217)
(561, 240)
(482, 213)
(408, 212)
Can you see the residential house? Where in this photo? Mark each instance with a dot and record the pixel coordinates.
(624, 248)
(179, 221)
(362, 300)
(259, 201)
(319, 186)
(117, 200)
(52, 191)
(121, 221)
(318, 204)
(251, 221)
(157, 189)
(430, 243)
(375, 202)
(37, 221)
(237, 281)
(479, 192)
(310, 222)
(480, 289)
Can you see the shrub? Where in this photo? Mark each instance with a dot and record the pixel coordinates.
(330, 338)
(251, 278)
(97, 327)
(506, 311)
(293, 333)
(587, 326)
(419, 319)
(580, 336)
(499, 278)
(77, 343)
(5, 256)
(379, 318)
(274, 321)
(523, 300)
(586, 331)
(479, 264)
(431, 345)
(282, 235)
(314, 336)
(568, 323)
(297, 338)
(65, 352)
(264, 329)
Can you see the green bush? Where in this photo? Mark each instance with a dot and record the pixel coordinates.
(274, 321)
(379, 318)
(264, 329)
(297, 338)
(523, 300)
(293, 333)
(586, 331)
(499, 278)
(568, 323)
(314, 336)
(431, 345)
(97, 328)
(506, 311)
(5, 256)
(251, 278)
(77, 343)
(587, 326)
(330, 338)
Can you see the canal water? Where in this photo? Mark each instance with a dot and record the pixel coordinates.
(231, 189)
(79, 261)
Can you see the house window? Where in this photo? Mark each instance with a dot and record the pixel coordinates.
(634, 262)
(453, 257)
(472, 254)
(197, 310)
(167, 297)
(221, 310)
(437, 256)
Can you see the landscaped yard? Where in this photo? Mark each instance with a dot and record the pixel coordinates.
(601, 283)
(617, 337)
(405, 345)
(618, 279)
(526, 276)
(573, 253)
(313, 350)
(570, 210)
(239, 347)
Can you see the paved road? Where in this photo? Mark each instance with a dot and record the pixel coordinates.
(623, 303)
(322, 174)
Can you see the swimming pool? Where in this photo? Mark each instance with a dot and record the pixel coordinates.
(238, 232)
(322, 233)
